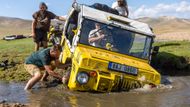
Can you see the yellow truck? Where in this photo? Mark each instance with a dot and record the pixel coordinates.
(119, 61)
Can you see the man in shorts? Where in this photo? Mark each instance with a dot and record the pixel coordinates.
(39, 62)
(41, 25)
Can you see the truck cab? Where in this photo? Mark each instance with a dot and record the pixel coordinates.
(120, 61)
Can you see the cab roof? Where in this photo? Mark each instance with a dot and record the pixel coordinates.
(102, 16)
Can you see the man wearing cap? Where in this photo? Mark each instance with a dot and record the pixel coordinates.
(41, 24)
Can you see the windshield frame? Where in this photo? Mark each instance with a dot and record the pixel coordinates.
(120, 27)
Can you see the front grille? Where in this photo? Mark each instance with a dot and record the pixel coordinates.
(104, 84)
(125, 84)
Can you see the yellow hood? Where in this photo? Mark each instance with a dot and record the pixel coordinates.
(115, 57)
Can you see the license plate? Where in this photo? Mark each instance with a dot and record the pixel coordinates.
(122, 68)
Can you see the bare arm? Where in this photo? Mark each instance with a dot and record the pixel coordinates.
(34, 23)
(57, 62)
(93, 39)
(51, 72)
(127, 10)
(61, 18)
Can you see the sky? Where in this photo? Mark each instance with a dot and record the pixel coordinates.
(137, 8)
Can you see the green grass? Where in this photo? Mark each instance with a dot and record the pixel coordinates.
(15, 52)
(19, 46)
(177, 48)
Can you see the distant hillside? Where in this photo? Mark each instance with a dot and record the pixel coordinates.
(166, 28)
(10, 26)
(169, 28)
(16, 26)
(167, 24)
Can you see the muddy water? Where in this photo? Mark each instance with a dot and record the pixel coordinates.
(174, 93)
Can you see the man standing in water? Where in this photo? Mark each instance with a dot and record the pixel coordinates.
(41, 24)
(39, 61)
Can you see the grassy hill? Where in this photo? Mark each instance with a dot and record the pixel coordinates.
(167, 24)
(169, 28)
(166, 28)
(14, 26)
(17, 26)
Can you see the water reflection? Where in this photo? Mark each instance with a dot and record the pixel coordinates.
(12, 92)
(179, 96)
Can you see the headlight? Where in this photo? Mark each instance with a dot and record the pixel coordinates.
(82, 78)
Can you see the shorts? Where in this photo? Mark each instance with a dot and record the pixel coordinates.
(41, 36)
(32, 69)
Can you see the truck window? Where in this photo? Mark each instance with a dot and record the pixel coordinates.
(115, 39)
(72, 25)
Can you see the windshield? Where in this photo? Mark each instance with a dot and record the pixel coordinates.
(115, 39)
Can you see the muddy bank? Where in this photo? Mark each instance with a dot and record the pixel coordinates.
(12, 67)
(15, 53)
(170, 64)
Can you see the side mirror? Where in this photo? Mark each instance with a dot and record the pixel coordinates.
(155, 50)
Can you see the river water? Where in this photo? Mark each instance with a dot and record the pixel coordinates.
(174, 92)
